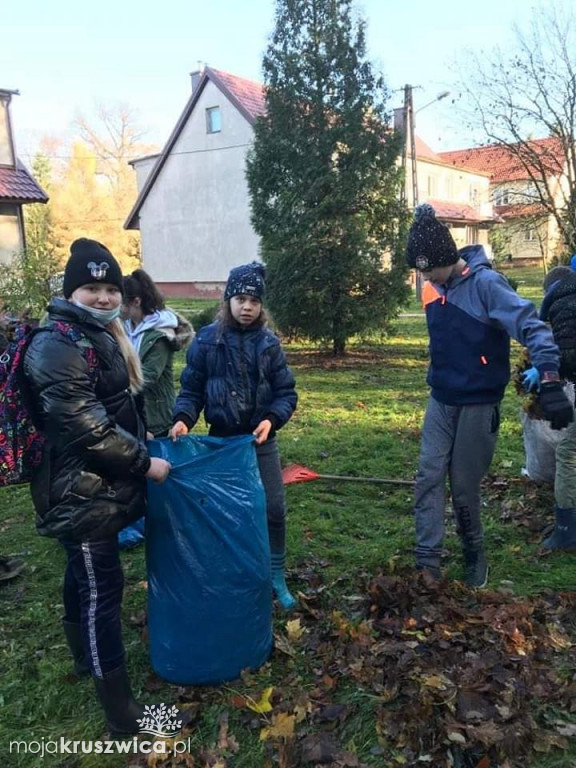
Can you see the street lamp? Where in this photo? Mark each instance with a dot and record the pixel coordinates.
(440, 96)
(410, 128)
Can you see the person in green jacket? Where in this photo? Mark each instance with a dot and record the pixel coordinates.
(157, 334)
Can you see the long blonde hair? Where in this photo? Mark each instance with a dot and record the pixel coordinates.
(116, 328)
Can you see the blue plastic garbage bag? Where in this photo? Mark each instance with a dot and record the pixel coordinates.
(208, 557)
(132, 535)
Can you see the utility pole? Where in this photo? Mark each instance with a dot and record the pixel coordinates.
(410, 131)
(409, 135)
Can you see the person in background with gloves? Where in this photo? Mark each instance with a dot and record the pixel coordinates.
(236, 372)
(559, 309)
(471, 312)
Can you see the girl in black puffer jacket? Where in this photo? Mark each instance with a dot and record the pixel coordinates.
(91, 482)
(236, 372)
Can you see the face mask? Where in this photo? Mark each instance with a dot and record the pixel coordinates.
(103, 316)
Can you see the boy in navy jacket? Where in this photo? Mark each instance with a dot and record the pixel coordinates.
(471, 312)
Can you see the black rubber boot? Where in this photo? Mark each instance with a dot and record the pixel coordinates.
(564, 535)
(476, 567)
(74, 639)
(121, 709)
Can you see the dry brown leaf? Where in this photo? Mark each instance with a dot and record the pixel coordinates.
(282, 727)
(294, 630)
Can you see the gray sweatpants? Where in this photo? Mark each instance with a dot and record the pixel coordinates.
(458, 442)
(565, 480)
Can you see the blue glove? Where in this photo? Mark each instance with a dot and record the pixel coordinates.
(531, 380)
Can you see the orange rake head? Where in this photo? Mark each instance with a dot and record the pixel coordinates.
(296, 473)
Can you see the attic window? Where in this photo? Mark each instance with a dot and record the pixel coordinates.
(213, 120)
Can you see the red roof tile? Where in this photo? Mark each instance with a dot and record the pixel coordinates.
(503, 164)
(247, 93)
(18, 186)
(515, 211)
(449, 211)
(425, 152)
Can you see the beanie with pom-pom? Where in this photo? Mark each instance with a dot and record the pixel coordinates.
(430, 243)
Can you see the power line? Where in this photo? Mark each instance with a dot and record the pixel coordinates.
(135, 157)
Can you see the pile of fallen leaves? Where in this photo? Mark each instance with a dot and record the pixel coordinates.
(453, 677)
(530, 402)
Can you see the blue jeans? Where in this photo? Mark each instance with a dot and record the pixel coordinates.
(93, 586)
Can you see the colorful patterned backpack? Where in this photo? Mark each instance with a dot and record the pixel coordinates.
(21, 444)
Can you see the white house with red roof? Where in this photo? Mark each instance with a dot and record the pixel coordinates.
(515, 171)
(193, 206)
(17, 187)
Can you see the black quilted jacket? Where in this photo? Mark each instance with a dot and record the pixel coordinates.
(559, 309)
(91, 482)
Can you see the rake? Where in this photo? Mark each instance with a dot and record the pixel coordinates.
(296, 473)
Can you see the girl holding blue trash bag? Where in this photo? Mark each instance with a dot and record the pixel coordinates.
(236, 372)
(83, 374)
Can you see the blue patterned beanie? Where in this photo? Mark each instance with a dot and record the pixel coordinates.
(246, 280)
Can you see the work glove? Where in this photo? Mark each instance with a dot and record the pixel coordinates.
(557, 409)
(531, 380)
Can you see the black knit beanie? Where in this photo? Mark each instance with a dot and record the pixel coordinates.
(430, 243)
(556, 274)
(247, 280)
(90, 262)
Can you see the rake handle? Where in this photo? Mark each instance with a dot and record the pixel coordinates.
(366, 479)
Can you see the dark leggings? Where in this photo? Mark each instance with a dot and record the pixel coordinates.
(93, 585)
(271, 474)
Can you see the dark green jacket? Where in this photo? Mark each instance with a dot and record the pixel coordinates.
(157, 350)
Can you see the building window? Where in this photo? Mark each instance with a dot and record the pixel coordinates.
(11, 240)
(531, 192)
(213, 120)
(6, 154)
(530, 235)
(502, 197)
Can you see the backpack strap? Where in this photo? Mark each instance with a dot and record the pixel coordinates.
(75, 334)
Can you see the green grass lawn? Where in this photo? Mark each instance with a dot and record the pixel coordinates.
(376, 668)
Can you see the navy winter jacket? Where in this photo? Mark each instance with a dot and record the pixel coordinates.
(470, 322)
(239, 376)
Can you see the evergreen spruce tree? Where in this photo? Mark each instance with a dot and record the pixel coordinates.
(38, 216)
(324, 179)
